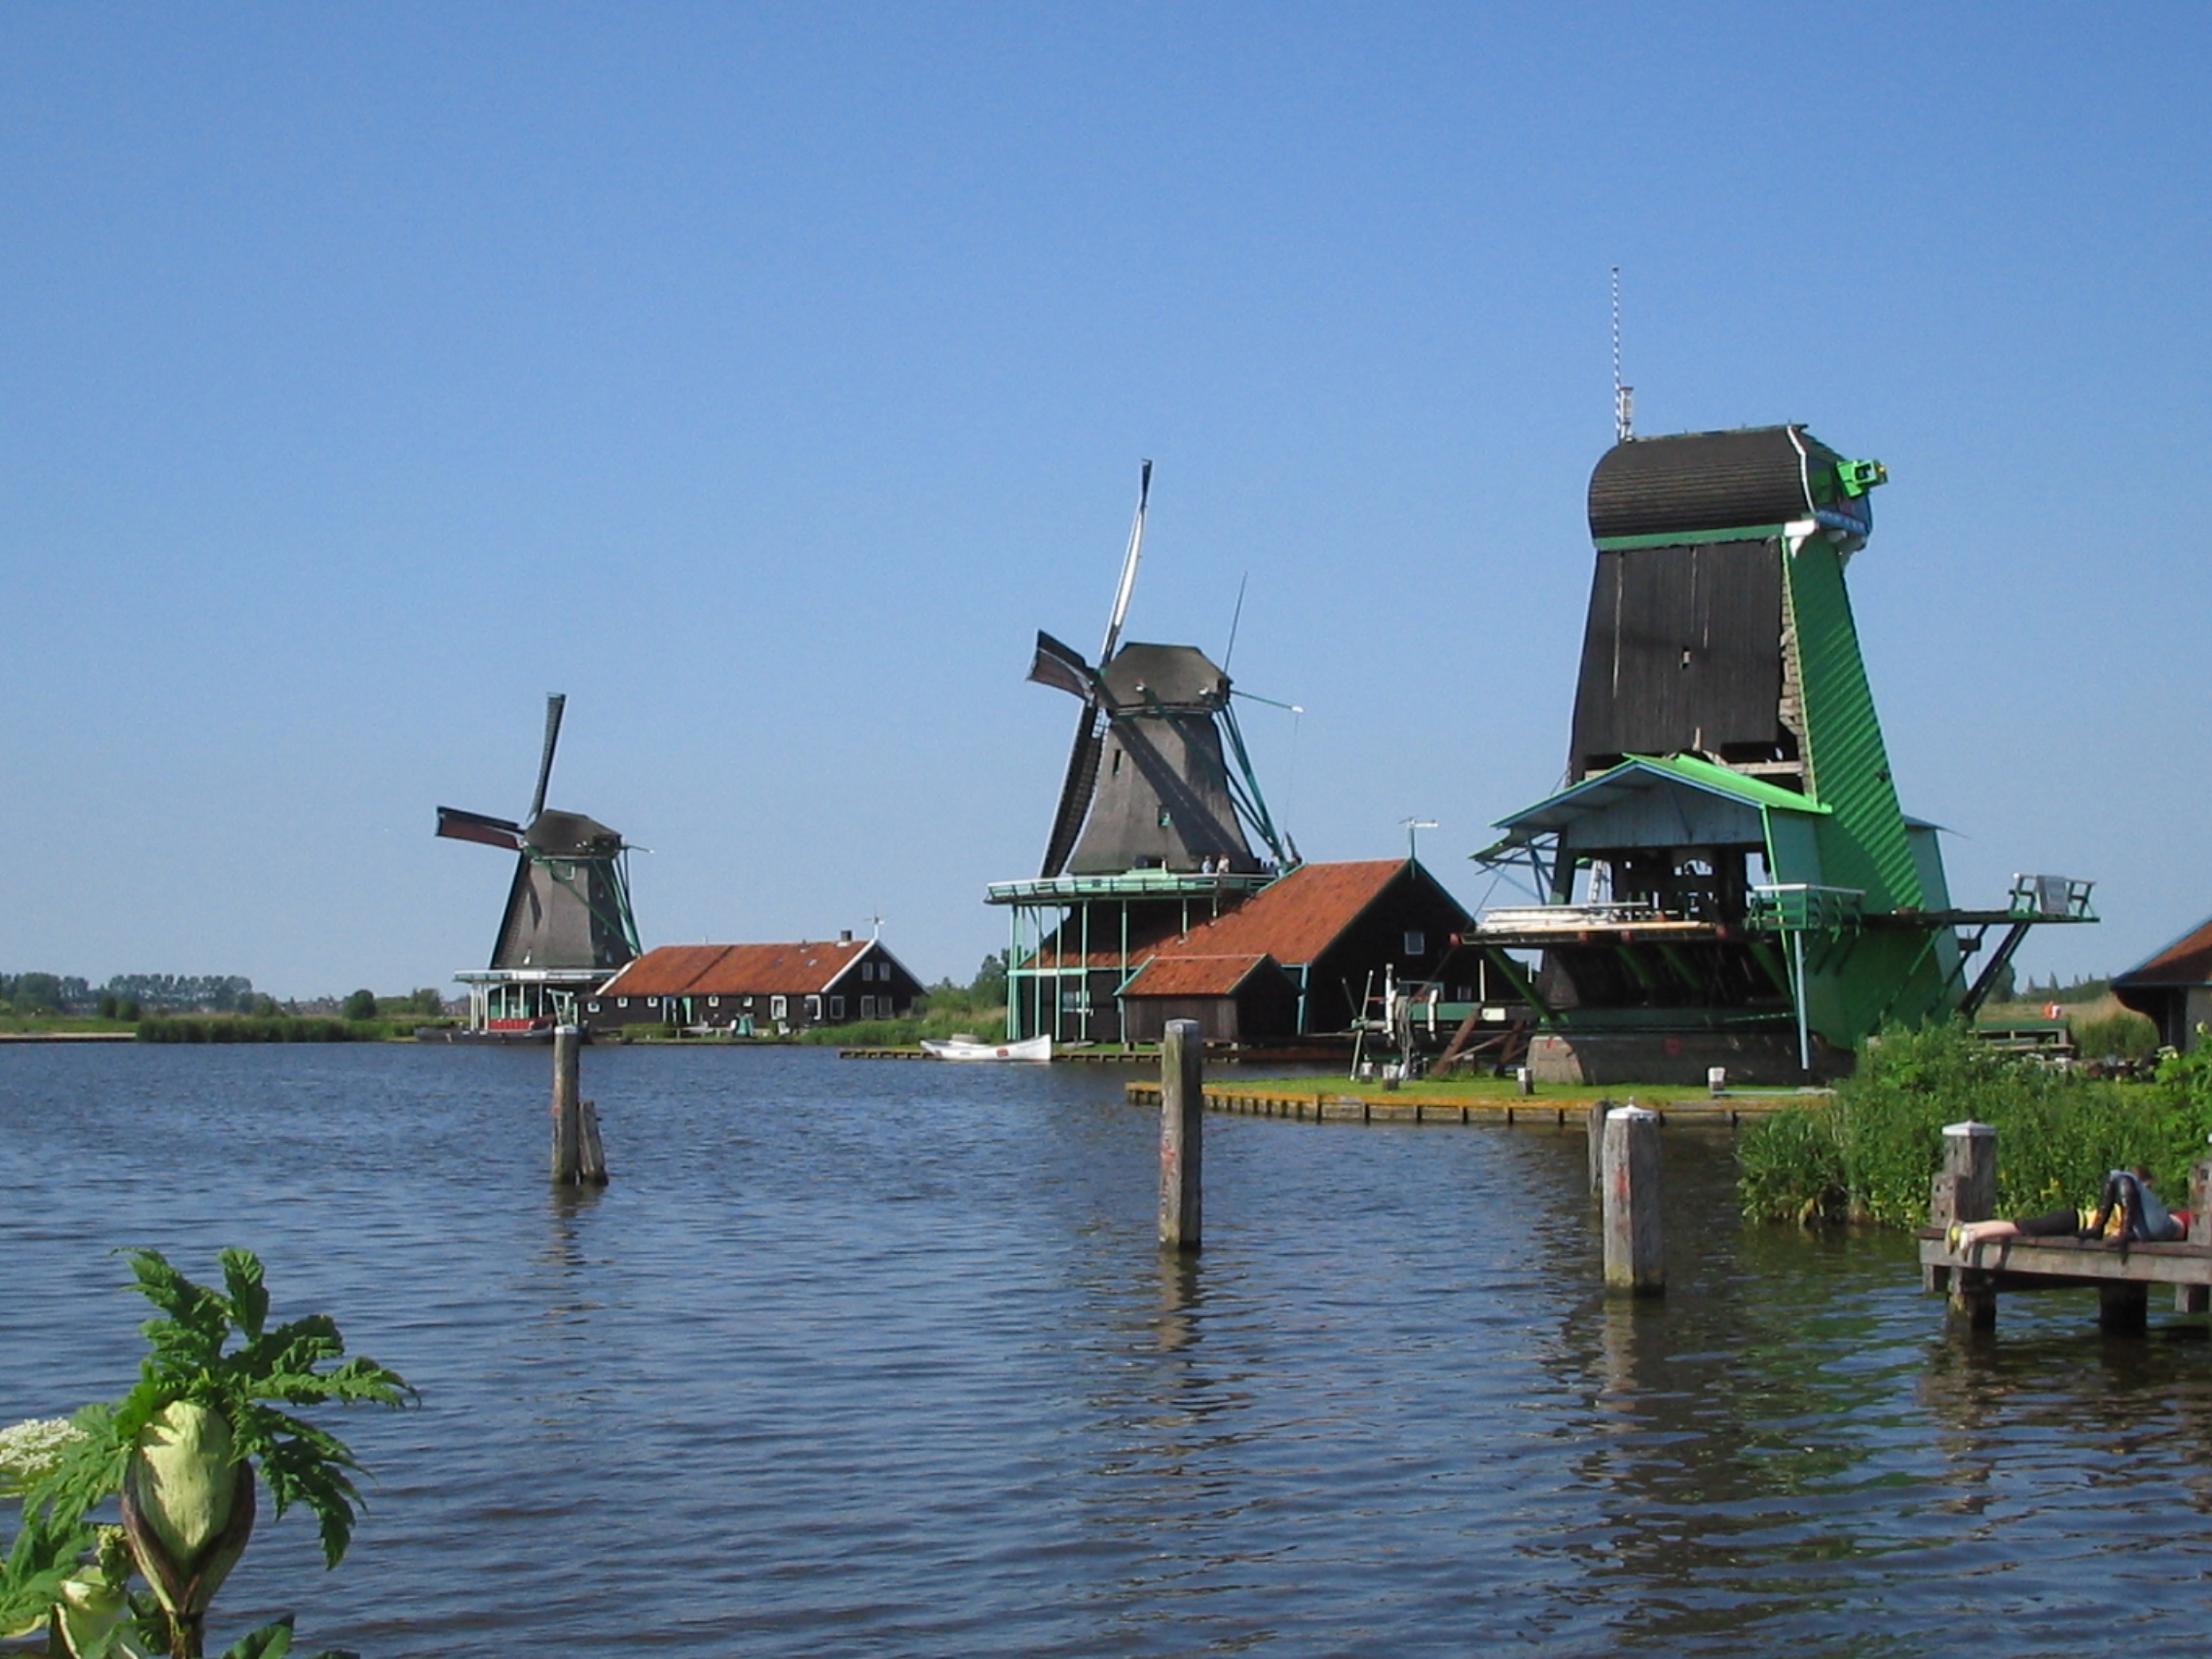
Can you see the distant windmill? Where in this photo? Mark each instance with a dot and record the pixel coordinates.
(1148, 784)
(569, 907)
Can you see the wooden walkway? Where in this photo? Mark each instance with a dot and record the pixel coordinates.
(2122, 1277)
(1124, 1057)
(1333, 1106)
(1973, 1276)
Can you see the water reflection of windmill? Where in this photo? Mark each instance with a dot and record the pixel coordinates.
(568, 923)
(1154, 828)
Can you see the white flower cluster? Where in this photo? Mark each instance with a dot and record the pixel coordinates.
(29, 1450)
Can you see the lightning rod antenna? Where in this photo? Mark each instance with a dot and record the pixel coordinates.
(1624, 397)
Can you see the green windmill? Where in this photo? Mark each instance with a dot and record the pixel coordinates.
(1728, 878)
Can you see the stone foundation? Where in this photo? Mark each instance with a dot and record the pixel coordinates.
(1762, 1059)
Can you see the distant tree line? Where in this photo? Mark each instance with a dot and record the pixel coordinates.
(126, 995)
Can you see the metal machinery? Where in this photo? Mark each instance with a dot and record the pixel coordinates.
(1149, 835)
(1727, 878)
(568, 923)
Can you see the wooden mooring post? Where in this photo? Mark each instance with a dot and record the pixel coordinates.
(1635, 1256)
(1965, 1188)
(1182, 1136)
(579, 1158)
(1600, 1110)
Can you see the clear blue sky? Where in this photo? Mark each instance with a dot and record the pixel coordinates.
(763, 375)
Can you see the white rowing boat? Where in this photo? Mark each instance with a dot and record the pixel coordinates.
(969, 1049)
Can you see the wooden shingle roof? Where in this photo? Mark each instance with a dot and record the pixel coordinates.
(736, 970)
(2188, 961)
(1295, 919)
(1197, 975)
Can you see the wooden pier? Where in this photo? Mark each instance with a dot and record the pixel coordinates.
(1973, 1276)
(1129, 1056)
(1326, 1105)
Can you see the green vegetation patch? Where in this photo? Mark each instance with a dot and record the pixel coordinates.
(1870, 1152)
(256, 1028)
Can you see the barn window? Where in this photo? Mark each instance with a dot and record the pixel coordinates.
(592, 1006)
(1416, 943)
(836, 1008)
(1165, 818)
(621, 1002)
(867, 1007)
(652, 1002)
(777, 1008)
(714, 1002)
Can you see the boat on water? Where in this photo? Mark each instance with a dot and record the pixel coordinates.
(975, 1048)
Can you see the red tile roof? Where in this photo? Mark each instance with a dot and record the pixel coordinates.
(1297, 918)
(735, 970)
(1196, 975)
(2188, 961)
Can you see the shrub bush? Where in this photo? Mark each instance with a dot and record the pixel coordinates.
(1869, 1151)
(2125, 1035)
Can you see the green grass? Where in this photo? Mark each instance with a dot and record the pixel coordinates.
(935, 1023)
(48, 1024)
(1870, 1152)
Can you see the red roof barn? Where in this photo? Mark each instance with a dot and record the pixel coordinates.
(756, 989)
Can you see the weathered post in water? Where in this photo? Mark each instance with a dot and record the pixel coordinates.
(1599, 1110)
(1965, 1189)
(1182, 1136)
(577, 1155)
(2197, 1297)
(1636, 1257)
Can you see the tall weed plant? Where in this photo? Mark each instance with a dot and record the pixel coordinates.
(1869, 1153)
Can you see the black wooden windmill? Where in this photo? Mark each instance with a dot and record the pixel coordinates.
(1155, 829)
(568, 923)
(1149, 785)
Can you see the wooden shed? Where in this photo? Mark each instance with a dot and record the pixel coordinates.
(1233, 998)
(2174, 989)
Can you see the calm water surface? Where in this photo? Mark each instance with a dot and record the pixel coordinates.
(881, 1359)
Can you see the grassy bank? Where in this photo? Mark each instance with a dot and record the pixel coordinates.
(257, 1028)
(935, 1023)
(1869, 1151)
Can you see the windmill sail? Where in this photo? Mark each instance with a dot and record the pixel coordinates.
(1076, 789)
(457, 826)
(554, 704)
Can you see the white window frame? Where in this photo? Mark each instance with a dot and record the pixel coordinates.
(779, 1007)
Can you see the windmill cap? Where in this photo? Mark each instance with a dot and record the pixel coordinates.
(570, 834)
(1708, 482)
(1171, 677)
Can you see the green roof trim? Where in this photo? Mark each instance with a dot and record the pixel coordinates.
(1691, 538)
(1593, 795)
(1723, 779)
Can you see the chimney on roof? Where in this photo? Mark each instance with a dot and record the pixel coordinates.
(845, 935)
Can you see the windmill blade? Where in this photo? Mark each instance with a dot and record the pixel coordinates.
(554, 704)
(1075, 791)
(456, 825)
(1061, 667)
(1129, 569)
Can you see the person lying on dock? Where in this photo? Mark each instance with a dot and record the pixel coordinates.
(2127, 1211)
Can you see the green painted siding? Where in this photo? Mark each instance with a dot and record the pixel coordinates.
(1858, 982)
(1863, 842)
